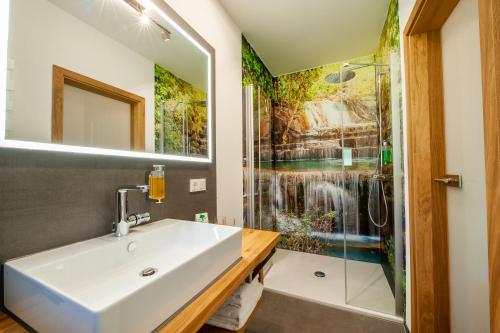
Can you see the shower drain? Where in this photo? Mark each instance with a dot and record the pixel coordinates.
(319, 274)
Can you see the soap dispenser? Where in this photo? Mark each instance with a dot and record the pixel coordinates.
(157, 183)
(386, 153)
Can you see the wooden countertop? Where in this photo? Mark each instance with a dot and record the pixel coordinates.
(256, 246)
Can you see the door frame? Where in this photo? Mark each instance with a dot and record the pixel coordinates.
(489, 32)
(430, 290)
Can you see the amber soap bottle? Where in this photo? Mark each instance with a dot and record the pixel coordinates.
(157, 183)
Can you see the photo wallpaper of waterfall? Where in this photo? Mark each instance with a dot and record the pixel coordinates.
(315, 122)
(325, 153)
(180, 116)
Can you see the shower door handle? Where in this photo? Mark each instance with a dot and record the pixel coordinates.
(450, 180)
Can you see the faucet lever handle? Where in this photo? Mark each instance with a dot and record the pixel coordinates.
(143, 188)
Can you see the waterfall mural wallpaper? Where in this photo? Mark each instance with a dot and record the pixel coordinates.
(325, 156)
(180, 116)
(316, 123)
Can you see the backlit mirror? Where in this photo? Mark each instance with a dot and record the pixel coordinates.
(118, 77)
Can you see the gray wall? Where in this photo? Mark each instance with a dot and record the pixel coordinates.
(50, 199)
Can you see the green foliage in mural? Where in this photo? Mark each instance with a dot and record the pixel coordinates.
(180, 114)
(389, 38)
(389, 42)
(291, 91)
(297, 231)
(254, 70)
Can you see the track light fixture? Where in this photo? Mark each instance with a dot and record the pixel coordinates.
(145, 19)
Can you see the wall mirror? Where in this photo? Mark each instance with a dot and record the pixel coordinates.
(111, 77)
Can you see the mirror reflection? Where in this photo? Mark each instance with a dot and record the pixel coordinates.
(116, 74)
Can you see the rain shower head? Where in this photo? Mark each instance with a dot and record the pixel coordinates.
(340, 77)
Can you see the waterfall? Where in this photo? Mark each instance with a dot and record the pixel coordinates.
(351, 215)
(300, 191)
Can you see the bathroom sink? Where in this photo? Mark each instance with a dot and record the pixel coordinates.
(110, 284)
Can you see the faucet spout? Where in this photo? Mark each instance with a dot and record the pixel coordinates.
(124, 220)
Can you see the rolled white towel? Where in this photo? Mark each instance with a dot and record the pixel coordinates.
(234, 313)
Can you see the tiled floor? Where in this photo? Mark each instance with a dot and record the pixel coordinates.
(292, 273)
(279, 313)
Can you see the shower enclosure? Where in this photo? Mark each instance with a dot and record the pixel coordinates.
(334, 186)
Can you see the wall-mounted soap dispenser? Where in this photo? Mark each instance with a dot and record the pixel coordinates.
(157, 183)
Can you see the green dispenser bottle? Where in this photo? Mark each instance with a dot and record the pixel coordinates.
(386, 153)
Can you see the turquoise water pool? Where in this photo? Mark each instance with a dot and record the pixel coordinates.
(320, 165)
(354, 253)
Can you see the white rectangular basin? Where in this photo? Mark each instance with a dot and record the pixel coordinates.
(97, 285)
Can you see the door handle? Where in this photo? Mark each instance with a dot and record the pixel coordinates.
(450, 180)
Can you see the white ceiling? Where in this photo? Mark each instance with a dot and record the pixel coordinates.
(119, 21)
(292, 35)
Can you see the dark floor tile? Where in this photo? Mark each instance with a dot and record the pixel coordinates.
(279, 313)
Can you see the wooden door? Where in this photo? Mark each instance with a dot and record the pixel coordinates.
(426, 162)
(427, 156)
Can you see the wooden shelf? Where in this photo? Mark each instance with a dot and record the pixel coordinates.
(256, 246)
(9, 325)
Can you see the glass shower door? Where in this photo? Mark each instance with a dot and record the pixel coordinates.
(257, 159)
(368, 190)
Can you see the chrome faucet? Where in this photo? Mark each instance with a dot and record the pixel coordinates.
(124, 220)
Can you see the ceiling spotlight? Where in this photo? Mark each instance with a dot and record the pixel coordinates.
(144, 19)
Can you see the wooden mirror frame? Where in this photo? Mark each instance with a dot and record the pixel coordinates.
(62, 76)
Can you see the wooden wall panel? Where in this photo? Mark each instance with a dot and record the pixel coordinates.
(489, 25)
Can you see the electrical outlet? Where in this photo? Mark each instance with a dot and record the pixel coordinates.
(201, 217)
(197, 185)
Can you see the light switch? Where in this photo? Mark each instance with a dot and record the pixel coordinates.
(197, 185)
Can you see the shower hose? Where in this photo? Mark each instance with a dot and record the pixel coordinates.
(383, 198)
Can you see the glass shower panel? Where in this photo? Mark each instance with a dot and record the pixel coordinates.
(367, 204)
(266, 174)
(257, 163)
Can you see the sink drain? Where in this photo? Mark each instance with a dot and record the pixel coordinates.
(319, 274)
(148, 271)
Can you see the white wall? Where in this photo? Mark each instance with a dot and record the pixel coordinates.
(42, 34)
(405, 8)
(467, 224)
(211, 21)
